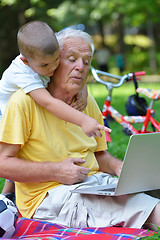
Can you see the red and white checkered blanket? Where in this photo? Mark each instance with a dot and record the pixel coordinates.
(33, 229)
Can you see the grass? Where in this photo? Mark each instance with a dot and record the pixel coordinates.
(155, 236)
(1, 184)
(119, 97)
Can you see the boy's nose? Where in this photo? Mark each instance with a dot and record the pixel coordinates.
(55, 65)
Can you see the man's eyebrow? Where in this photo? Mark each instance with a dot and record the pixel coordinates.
(70, 52)
(89, 55)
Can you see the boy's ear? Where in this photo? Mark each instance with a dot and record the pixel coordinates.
(24, 60)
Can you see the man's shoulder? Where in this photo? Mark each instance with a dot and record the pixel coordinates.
(19, 104)
(20, 97)
(91, 98)
(91, 101)
(92, 108)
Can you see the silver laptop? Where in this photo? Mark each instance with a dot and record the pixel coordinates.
(140, 170)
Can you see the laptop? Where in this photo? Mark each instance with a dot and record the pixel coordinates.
(140, 171)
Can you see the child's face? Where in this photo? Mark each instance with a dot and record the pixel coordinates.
(45, 65)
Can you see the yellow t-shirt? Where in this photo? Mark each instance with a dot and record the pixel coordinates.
(44, 137)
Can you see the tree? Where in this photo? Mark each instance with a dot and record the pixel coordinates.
(14, 14)
(96, 15)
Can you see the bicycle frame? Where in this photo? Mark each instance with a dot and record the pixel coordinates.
(124, 121)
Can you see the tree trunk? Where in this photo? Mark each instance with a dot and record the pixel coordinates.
(152, 54)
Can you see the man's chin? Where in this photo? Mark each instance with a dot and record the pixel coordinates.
(77, 88)
(74, 88)
(73, 92)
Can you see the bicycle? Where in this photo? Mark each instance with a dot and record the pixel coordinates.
(127, 121)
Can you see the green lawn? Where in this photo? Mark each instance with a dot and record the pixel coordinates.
(119, 97)
(1, 184)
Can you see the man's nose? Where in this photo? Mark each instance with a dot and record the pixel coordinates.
(79, 64)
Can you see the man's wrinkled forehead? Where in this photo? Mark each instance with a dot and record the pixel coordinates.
(72, 44)
(76, 52)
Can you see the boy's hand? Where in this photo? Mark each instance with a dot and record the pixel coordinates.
(91, 128)
(81, 100)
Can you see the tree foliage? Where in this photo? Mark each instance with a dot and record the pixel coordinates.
(121, 17)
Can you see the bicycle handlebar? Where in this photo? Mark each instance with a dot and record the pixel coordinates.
(121, 78)
(140, 73)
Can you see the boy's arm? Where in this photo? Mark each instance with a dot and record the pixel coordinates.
(65, 112)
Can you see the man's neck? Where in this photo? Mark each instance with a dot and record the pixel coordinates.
(61, 94)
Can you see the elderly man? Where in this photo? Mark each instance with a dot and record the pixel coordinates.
(48, 157)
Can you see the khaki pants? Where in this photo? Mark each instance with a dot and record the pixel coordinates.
(81, 210)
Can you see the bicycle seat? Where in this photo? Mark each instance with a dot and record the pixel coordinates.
(150, 93)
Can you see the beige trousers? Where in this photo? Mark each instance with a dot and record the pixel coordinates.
(81, 210)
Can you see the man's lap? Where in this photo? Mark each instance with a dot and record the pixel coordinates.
(79, 210)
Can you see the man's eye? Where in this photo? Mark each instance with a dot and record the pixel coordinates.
(86, 62)
(71, 59)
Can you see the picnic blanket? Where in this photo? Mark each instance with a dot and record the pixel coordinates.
(34, 229)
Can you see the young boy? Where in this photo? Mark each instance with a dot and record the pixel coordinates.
(31, 71)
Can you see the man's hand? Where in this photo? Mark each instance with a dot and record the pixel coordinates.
(81, 99)
(79, 104)
(70, 172)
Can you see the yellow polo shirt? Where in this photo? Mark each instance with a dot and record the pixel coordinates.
(44, 137)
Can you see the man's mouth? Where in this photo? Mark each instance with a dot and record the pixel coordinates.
(77, 78)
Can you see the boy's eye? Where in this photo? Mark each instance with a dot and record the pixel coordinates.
(57, 59)
(44, 65)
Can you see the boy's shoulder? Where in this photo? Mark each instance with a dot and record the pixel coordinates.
(20, 67)
(17, 67)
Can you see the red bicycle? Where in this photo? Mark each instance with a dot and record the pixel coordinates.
(127, 121)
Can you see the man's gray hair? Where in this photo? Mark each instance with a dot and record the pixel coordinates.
(74, 33)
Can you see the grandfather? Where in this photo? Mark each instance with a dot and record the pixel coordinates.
(48, 157)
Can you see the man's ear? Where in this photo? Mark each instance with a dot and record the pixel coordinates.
(24, 60)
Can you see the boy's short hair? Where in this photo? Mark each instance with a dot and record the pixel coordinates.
(36, 38)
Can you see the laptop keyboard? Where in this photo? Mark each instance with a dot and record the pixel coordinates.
(108, 190)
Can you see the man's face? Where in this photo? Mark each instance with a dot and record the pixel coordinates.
(75, 59)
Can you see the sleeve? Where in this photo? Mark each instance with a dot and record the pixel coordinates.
(19, 75)
(29, 82)
(15, 125)
(93, 111)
